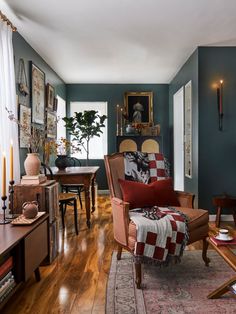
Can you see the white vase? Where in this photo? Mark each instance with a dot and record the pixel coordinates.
(32, 164)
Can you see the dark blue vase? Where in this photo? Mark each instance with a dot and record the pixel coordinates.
(61, 162)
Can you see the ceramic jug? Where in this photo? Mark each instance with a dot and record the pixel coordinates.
(30, 209)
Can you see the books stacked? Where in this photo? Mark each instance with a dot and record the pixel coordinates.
(7, 280)
(221, 242)
(31, 180)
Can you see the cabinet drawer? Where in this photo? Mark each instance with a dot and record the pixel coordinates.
(36, 248)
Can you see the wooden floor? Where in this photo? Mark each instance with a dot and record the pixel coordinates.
(76, 281)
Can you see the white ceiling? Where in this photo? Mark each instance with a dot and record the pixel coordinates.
(121, 41)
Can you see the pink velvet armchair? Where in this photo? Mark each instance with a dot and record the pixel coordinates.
(125, 230)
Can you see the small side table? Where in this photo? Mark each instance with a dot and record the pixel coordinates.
(224, 201)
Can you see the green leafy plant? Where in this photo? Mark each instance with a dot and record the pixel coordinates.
(83, 126)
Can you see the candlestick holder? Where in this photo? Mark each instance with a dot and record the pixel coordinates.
(4, 221)
(11, 215)
(221, 121)
(117, 129)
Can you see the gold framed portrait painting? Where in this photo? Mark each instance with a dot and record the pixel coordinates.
(139, 107)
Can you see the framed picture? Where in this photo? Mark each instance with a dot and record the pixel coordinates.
(188, 129)
(55, 104)
(50, 96)
(37, 94)
(25, 120)
(51, 125)
(139, 107)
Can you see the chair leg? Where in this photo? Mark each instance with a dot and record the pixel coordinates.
(218, 214)
(118, 255)
(80, 200)
(75, 216)
(138, 271)
(62, 215)
(204, 252)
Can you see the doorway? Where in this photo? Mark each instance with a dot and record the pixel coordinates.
(178, 112)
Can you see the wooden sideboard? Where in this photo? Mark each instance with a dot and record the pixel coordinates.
(27, 246)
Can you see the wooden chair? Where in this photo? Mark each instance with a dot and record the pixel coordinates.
(224, 201)
(73, 188)
(64, 200)
(125, 230)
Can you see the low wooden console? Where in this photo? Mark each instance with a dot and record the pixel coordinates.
(27, 246)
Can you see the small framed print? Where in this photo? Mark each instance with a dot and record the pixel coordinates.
(55, 104)
(25, 121)
(50, 97)
(51, 125)
(37, 94)
(139, 107)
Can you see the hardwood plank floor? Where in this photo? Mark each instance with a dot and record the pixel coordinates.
(76, 281)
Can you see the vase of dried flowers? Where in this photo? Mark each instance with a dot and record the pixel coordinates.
(61, 162)
(32, 164)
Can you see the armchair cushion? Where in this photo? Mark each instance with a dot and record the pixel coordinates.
(159, 193)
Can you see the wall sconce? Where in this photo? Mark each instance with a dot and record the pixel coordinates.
(220, 104)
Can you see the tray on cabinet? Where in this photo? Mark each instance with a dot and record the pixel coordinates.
(21, 220)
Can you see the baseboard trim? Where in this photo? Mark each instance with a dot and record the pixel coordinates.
(103, 192)
(222, 218)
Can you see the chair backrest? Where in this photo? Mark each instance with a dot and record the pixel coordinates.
(73, 162)
(115, 170)
(47, 170)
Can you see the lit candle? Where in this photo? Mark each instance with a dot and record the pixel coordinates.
(11, 162)
(221, 97)
(117, 119)
(121, 115)
(4, 175)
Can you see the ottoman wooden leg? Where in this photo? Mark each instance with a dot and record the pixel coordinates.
(138, 271)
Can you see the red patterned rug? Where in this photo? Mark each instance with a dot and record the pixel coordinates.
(181, 288)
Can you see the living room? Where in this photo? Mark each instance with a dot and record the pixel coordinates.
(127, 48)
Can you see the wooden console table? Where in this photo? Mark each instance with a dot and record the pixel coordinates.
(28, 246)
(79, 175)
(226, 252)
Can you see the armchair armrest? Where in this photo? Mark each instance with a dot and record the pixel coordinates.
(120, 212)
(185, 199)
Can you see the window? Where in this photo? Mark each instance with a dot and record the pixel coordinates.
(97, 145)
(61, 113)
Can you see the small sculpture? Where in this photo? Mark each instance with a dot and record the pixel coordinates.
(30, 209)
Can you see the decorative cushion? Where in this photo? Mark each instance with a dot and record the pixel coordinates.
(159, 193)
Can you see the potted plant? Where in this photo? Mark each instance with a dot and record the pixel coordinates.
(83, 126)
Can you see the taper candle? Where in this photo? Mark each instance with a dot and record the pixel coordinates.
(4, 175)
(11, 162)
(121, 116)
(221, 97)
(117, 119)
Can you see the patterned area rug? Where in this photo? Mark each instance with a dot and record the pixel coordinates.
(181, 288)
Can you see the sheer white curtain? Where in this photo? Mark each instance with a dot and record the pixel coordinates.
(8, 129)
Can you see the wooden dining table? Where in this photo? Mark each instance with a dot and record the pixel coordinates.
(79, 175)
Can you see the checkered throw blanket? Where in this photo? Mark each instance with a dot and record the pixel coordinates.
(161, 234)
(145, 167)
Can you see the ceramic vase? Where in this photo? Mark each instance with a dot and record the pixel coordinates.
(61, 162)
(32, 164)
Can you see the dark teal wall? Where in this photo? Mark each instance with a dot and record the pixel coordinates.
(23, 50)
(114, 94)
(217, 149)
(189, 71)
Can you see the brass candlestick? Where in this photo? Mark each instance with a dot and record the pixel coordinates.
(11, 215)
(4, 207)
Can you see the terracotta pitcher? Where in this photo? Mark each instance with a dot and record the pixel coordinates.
(32, 164)
(30, 209)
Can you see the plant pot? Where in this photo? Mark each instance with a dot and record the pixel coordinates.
(61, 162)
(32, 164)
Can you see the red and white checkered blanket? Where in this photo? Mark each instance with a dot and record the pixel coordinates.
(161, 237)
(158, 167)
